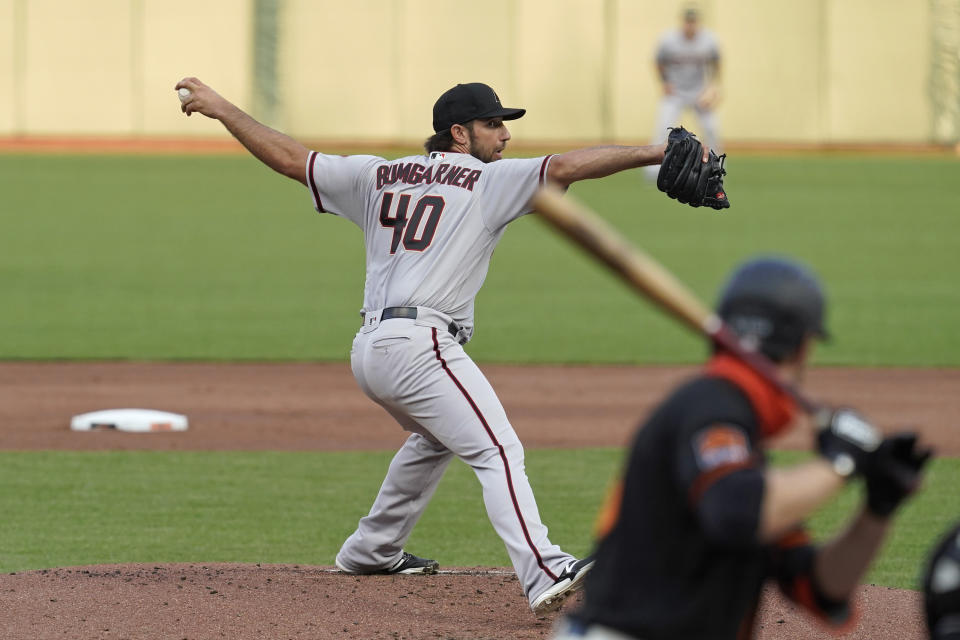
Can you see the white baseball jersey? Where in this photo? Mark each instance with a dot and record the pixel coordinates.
(685, 61)
(430, 223)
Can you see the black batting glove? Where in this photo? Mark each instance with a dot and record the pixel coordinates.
(893, 472)
(847, 440)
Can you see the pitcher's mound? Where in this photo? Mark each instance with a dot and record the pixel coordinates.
(238, 601)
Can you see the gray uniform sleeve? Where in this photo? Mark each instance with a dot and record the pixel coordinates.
(341, 184)
(663, 54)
(507, 186)
(713, 48)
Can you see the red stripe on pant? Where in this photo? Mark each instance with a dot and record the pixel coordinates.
(503, 455)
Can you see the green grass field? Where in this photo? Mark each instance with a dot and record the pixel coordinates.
(216, 258)
(68, 509)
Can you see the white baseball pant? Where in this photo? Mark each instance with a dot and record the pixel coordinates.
(668, 115)
(418, 372)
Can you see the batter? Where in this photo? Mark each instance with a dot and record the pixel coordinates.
(699, 521)
(430, 224)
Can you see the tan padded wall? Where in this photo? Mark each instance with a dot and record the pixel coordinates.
(8, 69)
(807, 71)
(558, 67)
(771, 71)
(635, 87)
(78, 75)
(208, 39)
(335, 76)
(879, 71)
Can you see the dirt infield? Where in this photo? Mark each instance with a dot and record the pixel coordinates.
(295, 407)
(201, 602)
(318, 407)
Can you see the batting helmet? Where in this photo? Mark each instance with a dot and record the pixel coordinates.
(941, 588)
(773, 304)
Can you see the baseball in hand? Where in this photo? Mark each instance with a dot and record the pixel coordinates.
(184, 93)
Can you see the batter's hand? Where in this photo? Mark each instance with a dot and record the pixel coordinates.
(893, 472)
(847, 440)
(202, 99)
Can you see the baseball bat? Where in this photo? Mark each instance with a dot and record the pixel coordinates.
(652, 280)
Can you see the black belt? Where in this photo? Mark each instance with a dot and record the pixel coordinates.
(410, 313)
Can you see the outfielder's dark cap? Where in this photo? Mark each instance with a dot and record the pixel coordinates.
(774, 303)
(466, 102)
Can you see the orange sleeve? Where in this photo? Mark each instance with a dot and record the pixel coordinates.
(609, 511)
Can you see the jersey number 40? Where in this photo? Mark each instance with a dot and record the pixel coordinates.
(416, 232)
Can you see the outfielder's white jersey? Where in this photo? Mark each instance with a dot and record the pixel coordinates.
(685, 61)
(430, 223)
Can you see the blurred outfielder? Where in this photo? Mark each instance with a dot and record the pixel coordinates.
(688, 66)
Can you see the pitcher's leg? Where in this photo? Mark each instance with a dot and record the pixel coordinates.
(513, 512)
(411, 481)
(383, 360)
(474, 425)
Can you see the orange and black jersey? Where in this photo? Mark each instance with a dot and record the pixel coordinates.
(679, 555)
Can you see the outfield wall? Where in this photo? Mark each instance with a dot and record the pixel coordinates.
(795, 71)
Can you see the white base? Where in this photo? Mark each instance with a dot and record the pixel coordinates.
(132, 420)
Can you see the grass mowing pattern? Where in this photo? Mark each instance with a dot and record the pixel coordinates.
(68, 508)
(218, 258)
(167, 258)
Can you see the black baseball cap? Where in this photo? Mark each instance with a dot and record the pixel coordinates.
(466, 102)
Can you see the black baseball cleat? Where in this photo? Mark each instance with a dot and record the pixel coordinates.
(412, 565)
(408, 564)
(570, 580)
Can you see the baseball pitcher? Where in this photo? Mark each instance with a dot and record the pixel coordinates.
(430, 224)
